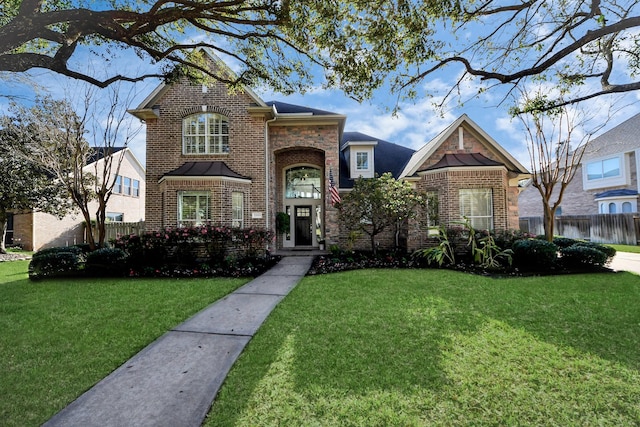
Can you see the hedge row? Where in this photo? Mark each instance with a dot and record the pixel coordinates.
(175, 252)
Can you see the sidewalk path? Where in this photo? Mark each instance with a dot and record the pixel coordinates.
(626, 261)
(173, 381)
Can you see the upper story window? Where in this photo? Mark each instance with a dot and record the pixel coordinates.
(205, 133)
(601, 169)
(126, 186)
(362, 161)
(605, 172)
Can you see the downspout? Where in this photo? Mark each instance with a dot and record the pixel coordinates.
(267, 182)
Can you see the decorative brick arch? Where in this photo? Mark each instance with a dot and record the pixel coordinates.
(209, 109)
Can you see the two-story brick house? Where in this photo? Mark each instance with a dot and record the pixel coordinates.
(610, 184)
(34, 230)
(231, 158)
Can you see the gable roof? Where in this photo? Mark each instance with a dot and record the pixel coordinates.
(620, 139)
(99, 153)
(146, 110)
(388, 157)
(429, 148)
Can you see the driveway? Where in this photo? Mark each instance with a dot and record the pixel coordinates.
(626, 261)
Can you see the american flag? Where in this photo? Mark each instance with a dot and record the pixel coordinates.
(333, 190)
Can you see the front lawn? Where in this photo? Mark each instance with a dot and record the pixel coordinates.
(59, 337)
(625, 248)
(437, 347)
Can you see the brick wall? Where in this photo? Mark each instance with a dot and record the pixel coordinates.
(164, 152)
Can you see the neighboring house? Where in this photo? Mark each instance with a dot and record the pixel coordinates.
(38, 230)
(610, 184)
(229, 158)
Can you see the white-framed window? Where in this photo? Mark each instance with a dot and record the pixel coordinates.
(605, 172)
(115, 216)
(237, 209)
(205, 133)
(135, 188)
(362, 161)
(476, 204)
(627, 207)
(194, 208)
(601, 169)
(117, 187)
(126, 186)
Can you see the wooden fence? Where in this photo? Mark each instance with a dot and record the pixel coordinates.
(609, 228)
(117, 229)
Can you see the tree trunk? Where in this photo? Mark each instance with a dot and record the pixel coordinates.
(3, 227)
(549, 219)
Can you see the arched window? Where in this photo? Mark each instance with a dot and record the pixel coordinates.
(612, 208)
(205, 133)
(626, 207)
(303, 182)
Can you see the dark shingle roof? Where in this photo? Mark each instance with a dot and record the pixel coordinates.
(215, 168)
(284, 108)
(463, 159)
(616, 193)
(388, 157)
(98, 153)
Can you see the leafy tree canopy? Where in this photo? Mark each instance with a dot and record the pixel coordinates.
(589, 47)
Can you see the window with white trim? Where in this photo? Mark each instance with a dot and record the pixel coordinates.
(135, 188)
(117, 187)
(205, 133)
(194, 208)
(115, 216)
(126, 187)
(476, 204)
(237, 209)
(603, 169)
(362, 161)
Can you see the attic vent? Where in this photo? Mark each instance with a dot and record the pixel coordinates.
(460, 138)
(204, 88)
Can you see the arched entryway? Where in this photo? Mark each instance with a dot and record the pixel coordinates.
(303, 201)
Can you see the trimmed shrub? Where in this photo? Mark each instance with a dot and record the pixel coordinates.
(582, 257)
(565, 242)
(57, 262)
(586, 255)
(534, 255)
(106, 262)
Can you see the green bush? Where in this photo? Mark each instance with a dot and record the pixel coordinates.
(582, 257)
(586, 255)
(106, 262)
(564, 242)
(57, 262)
(534, 255)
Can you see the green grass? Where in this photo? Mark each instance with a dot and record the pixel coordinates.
(442, 348)
(626, 248)
(59, 337)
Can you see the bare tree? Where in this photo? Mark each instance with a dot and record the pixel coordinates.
(557, 138)
(87, 172)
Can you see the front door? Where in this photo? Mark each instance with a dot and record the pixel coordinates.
(303, 225)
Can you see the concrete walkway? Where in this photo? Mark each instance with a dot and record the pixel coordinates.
(626, 261)
(173, 381)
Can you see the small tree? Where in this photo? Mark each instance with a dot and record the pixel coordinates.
(24, 186)
(60, 147)
(376, 204)
(556, 141)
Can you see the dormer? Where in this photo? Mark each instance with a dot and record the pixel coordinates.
(360, 156)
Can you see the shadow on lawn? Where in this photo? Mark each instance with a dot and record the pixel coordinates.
(393, 335)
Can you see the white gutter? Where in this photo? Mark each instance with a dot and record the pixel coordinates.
(267, 181)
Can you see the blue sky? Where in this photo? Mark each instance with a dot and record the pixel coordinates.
(414, 125)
